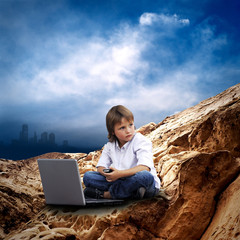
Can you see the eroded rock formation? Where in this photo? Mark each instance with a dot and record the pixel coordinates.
(197, 157)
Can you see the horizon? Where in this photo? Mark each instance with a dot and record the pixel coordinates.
(64, 64)
(28, 147)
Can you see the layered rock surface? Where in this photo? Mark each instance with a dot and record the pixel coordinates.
(197, 157)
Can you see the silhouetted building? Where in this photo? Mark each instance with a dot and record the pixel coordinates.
(23, 137)
(33, 140)
(44, 138)
(52, 139)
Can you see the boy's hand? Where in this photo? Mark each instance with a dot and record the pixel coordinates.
(113, 176)
(116, 174)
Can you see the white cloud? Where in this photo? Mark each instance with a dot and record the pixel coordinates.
(96, 66)
(148, 18)
(172, 20)
(172, 93)
(114, 71)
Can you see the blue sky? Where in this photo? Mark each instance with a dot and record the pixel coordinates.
(64, 64)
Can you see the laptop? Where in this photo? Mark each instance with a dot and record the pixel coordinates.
(62, 185)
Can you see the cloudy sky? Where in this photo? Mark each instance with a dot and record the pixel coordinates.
(65, 63)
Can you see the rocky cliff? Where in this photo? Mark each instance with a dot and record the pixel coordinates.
(197, 157)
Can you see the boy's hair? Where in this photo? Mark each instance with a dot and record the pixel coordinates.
(115, 115)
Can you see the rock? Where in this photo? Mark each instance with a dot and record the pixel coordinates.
(146, 129)
(21, 191)
(197, 180)
(226, 221)
(197, 157)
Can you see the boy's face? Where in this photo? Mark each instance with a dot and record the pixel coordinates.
(124, 131)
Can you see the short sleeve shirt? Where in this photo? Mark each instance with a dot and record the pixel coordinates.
(136, 152)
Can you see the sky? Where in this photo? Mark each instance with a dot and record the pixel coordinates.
(65, 63)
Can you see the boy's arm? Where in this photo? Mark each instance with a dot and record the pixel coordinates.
(116, 174)
(100, 170)
(104, 160)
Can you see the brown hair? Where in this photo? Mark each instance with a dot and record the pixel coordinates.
(115, 115)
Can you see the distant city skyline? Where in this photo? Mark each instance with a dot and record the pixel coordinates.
(26, 146)
(46, 139)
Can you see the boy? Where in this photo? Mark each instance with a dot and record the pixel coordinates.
(128, 157)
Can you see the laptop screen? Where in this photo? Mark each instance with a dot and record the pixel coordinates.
(61, 181)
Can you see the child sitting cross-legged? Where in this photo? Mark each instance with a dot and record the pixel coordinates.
(125, 169)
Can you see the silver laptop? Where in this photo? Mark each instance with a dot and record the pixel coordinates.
(62, 185)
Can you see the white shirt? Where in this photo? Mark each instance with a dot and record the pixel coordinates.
(136, 152)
